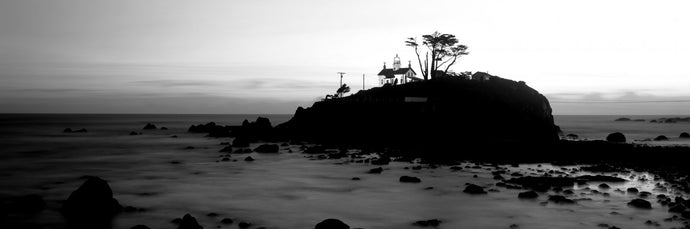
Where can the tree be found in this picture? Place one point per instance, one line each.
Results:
(444, 50)
(342, 90)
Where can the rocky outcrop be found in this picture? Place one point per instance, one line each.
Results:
(91, 205)
(331, 224)
(616, 137)
(435, 111)
(684, 135)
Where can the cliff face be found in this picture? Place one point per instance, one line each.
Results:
(446, 110)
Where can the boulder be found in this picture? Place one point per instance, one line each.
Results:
(164, 128)
(92, 204)
(133, 133)
(623, 119)
(684, 135)
(474, 189)
(604, 186)
(189, 222)
(267, 148)
(150, 126)
(616, 137)
(226, 221)
(633, 190)
(240, 142)
(331, 224)
(376, 170)
(409, 179)
(528, 195)
(427, 223)
(560, 199)
(661, 138)
(244, 225)
(248, 158)
(640, 203)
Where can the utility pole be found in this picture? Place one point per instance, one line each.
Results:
(341, 82)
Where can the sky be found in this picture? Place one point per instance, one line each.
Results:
(270, 56)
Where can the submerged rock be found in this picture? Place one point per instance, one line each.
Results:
(331, 224)
(427, 223)
(140, 227)
(474, 189)
(640, 203)
(267, 148)
(661, 138)
(150, 126)
(409, 179)
(91, 205)
(616, 137)
(248, 158)
(623, 119)
(561, 199)
(528, 195)
(376, 170)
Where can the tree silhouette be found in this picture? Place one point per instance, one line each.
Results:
(342, 90)
(444, 49)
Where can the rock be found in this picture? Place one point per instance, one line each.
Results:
(633, 190)
(244, 225)
(227, 149)
(604, 186)
(267, 148)
(409, 179)
(686, 214)
(600, 178)
(92, 204)
(640, 203)
(133, 133)
(69, 130)
(661, 138)
(378, 170)
(164, 128)
(616, 137)
(623, 119)
(140, 227)
(684, 135)
(528, 195)
(678, 208)
(331, 224)
(645, 194)
(189, 222)
(474, 189)
(356, 178)
(427, 223)
(248, 158)
(240, 142)
(572, 136)
(226, 221)
(150, 126)
(560, 199)
(381, 161)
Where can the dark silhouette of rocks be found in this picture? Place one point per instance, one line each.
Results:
(331, 224)
(189, 222)
(633, 190)
(69, 130)
(440, 106)
(616, 137)
(474, 189)
(92, 205)
(267, 148)
(686, 214)
(623, 119)
(640, 203)
(227, 149)
(528, 195)
(248, 158)
(381, 161)
(164, 128)
(240, 142)
(378, 170)
(133, 133)
(150, 126)
(409, 179)
(604, 186)
(244, 225)
(600, 178)
(572, 136)
(226, 221)
(427, 223)
(140, 227)
(661, 138)
(684, 135)
(560, 199)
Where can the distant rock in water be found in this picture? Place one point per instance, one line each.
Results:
(473, 111)
(267, 148)
(331, 224)
(427, 223)
(69, 130)
(140, 227)
(661, 138)
(684, 135)
(474, 189)
(528, 195)
(150, 126)
(640, 203)
(409, 179)
(616, 137)
(189, 222)
(133, 133)
(91, 205)
(623, 119)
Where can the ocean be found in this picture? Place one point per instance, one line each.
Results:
(164, 178)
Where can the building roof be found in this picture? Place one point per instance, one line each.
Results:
(389, 73)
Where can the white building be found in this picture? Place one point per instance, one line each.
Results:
(397, 75)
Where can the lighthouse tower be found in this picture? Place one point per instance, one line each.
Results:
(396, 62)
